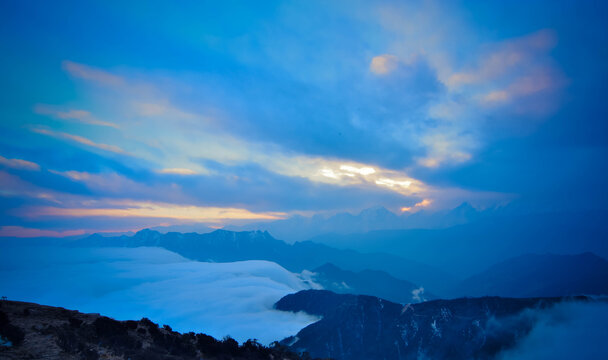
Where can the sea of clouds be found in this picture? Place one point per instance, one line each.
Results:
(218, 299)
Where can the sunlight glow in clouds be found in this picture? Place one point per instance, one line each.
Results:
(363, 175)
(178, 171)
(422, 204)
(221, 146)
(363, 171)
(392, 183)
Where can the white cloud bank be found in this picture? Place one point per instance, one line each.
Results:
(218, 299)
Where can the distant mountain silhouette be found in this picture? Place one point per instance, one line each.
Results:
(369, 282)
(540, 275)
(227, 246)
(467, 249)
(298, 228)
(365, 327)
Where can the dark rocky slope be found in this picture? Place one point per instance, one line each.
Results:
(365, 327)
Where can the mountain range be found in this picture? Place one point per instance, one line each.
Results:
(486, 241)
(369, 282)
(228, 246)
(384, 275)
(299, 228)
(534, 275)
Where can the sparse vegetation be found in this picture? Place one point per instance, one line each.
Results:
(10, 332)
(92, 337)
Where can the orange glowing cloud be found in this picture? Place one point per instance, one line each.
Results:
(383, 64)
(423, 203)
(158, 210)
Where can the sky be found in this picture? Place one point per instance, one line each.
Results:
(116, 117)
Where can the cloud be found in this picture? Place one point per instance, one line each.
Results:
(517, 72)
(19, 164)
(218, 299)
(178, 139)
(21, 232)
(446, 147)
(161, 108)
(485, 83)
(178, 171)
(79, 139)
(13, 186)
(523, 54)
(72, 114)
(92, 74)
(348, 173)
(422, 204)
(156, 210)
(383, 64)
(378, 101)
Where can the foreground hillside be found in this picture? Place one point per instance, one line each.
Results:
(365, 327)
(218, 299)
(32, 331)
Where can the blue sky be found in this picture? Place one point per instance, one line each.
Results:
(116, 117)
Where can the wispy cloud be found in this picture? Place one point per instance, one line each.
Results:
(19, 164)
(22, 232)
(523, 54)
(92, 74)
(82, 116)
(79, 139)
(136, 209)
(221, 145)
(178, 171)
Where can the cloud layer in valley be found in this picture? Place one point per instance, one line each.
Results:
(218, 299)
